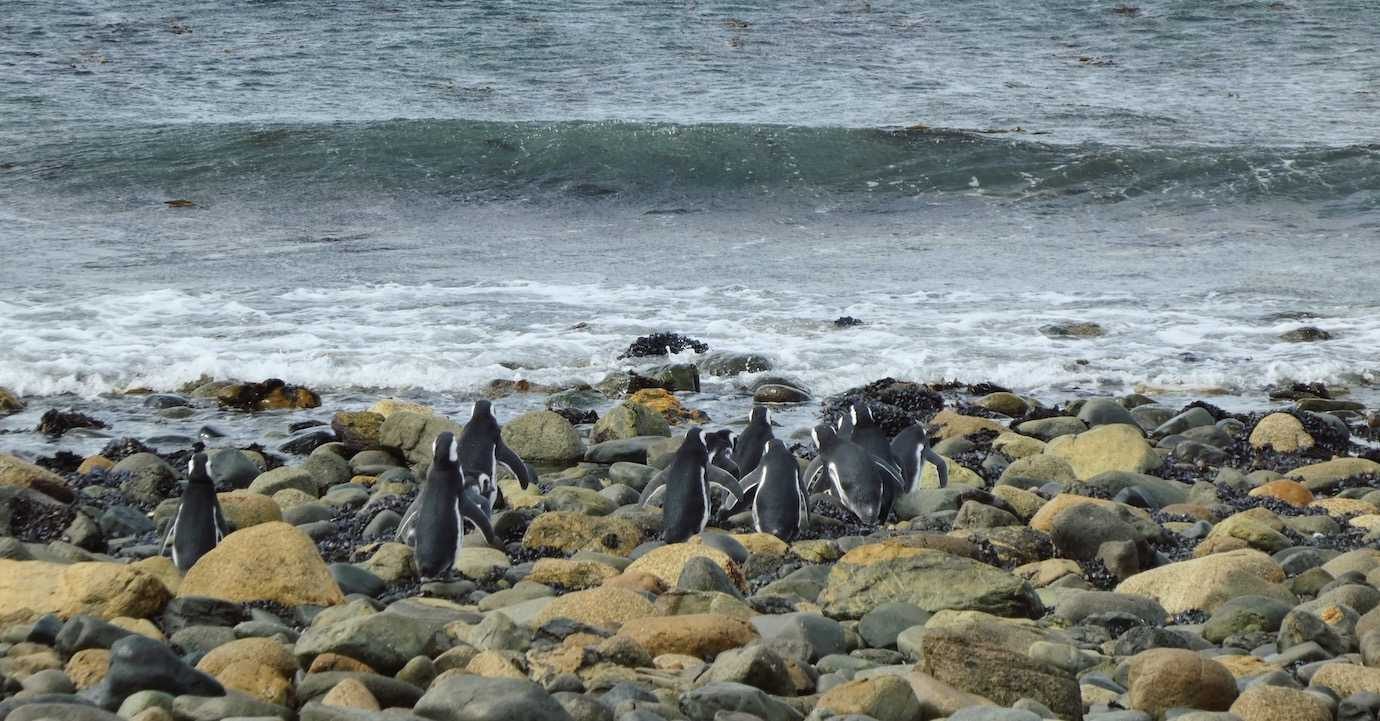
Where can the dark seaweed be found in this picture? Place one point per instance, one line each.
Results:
(658, 344)
(54, 422)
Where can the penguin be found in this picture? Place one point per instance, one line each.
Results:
(865, 432)
(720, 445)
(435, 524)
(911, 448)
(780, 505)
(199, 524)
(686, 510)
(720, 480)
(851, 474)
(482, 451)
(748, 446)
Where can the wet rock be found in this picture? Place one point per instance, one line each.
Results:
(10, 402)
(722, 363)
(629, 420)
(358, 430)
(779, 393)
(1305, 334)
(307, 441)
(660, 344)
(55, 423)
(1105, 448)
(148, 479)
(410, 434)
(272, 394)
(1072, 330)
(1047, 429)
(231, 468)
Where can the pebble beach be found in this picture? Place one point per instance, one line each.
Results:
(1106, 559)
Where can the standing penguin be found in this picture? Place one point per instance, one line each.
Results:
(720, 445)
(685, 510)
(748, 447)
(780, 506)
(851, 474)
(911, 448)
(435, 524)
(865, 432)
(482, 451)
(199, 524)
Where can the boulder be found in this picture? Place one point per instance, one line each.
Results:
(1208, 582)
(668, 562)
(1281, 432)
(235, 569)
(1277, 703)
(16, 472)
(246, 508)
(1321, 477)
(1116, 447)
(411, 434)
(629, 420)
(30, 589)
(1347, 679)
(1165, 678)
(872, 575)
(967, 662)
(543, 437)
(701, 635)
(573, 532)
(605, 607)
(885, 698)
(358, 430)
(475, 698)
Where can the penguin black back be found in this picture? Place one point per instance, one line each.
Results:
(779, 506)
(685, 509)
(866, 433)
(482, 451)
(747, 449)
(199, 524)
(720, 445)
(852, 475)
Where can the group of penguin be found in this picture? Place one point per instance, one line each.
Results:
(864, 470)
(856, 463)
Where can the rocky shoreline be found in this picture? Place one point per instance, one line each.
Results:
(1110, 559)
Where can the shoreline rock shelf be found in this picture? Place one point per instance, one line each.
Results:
(1113, 559)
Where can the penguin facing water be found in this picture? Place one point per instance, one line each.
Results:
(911, 448)
(199, 524)
(864, 431)
(780, 505)
(686, 508)
(748, 447)
(720, 445)
(482, 451)
(848, 471)
(435, 524)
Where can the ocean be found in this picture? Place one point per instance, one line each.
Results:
(415, 199)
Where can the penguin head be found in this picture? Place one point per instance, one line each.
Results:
(824, 435)
(693, 448)
(198, 470)
(861, 414)
(719, 442)
(482, 409)
(445, 450)
(759, 415)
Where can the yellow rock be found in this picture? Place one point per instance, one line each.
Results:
(1277, 703)
(1338, 469)
(883, 697)
(1370, 521)
(21, 473)
(603, 607)
(702, 635)
(1291, 492)
(1025, 503)
(492, 664)
(668, 561)
(1016, 446)
(1113, 447)
(1282, 432)
(669, 406)
(951, 424)
(162, 568)
(141, 626)
(351, 694)
(1342, 507)
(1245, 665)
(760, 544)
(94, 463)
(236, 569)
(289, 498)
(1043, 573)
(264, 651)
(574, 575)
(571, 532)
(822, 550)
(87, 668)
(29, 589)
(958, 475)
(1205, 583)
(389, 406)
(1347, 679)
(260, 682)
(244, 509)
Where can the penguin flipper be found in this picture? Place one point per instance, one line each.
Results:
(650, 490)
(725, 480)
(814, 473)
(751, 482)
(172, 534)
(659, 492)
(407, 529)
(515, 465)
(223, 528)
(940, 466)
(472, 513)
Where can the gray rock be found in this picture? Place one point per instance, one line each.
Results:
(626, 450)
(724, 363)
(583, 708)
(230, 468)
(353, 579)
(383, 526)
(1245, 614)
(144, 700)
(1076, 606)
(1191, 418)
(283, 478)
(702, 574)
(726, 543)
(1301, 626)
(755, 665)
(1078, 532)
(220, 708)
(82, 632)
(1047, 429)
(389, 692)
(632, 475)
(48, 681)
(1161, 491)
(543, 437)
(149, 478)
(497, 632)
(473, 698)
(121, 521)
(306, 513)
(823, 636)
(779, 393)
(1151, 416)
(386, 641)
(880, 626)
(327, 468)
(987, 713)
(62, 711)
(138, 663)
(629, 420)
(703, 704)
(1105, 411)
(187, 611)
